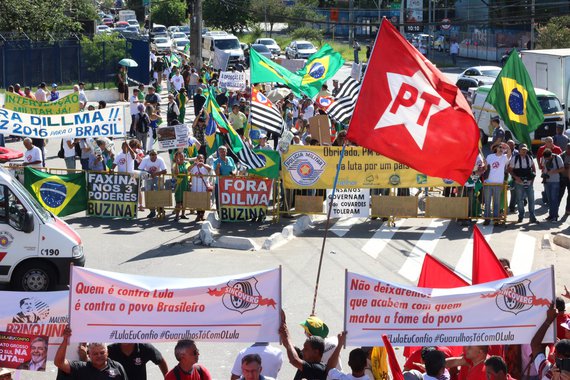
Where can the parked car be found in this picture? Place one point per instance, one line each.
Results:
(180, 44)
(172, 29)
(271, 45)
(103, 29)
(484, 74)
(158, 31)
(300, 49)
(161, 45)
(465, 84)
(108, 21)
(178, 36)
(262, 50)
(184, 29)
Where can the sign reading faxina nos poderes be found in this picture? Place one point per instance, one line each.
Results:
(107, 122)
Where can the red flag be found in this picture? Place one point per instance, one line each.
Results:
(410, 112)
(392, 360)
(437, 275)
(486, 266)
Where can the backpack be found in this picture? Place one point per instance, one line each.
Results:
(178, 376)
(143, 123)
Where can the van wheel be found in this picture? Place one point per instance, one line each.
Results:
(484, 138)
(34, 276)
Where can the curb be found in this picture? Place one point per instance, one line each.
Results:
(208, 237)
(562, 240)
(289, 232)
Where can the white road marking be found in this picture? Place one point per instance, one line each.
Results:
(465, 264)
(523, 254)
(381, 238)
(343, 225)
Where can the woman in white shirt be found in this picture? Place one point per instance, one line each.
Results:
(199, 183)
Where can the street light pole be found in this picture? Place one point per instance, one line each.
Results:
(196, 34)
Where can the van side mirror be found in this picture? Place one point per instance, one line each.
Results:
(28, 222)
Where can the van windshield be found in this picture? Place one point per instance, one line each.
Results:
(229, 44)
(549, 104)
(23, 193)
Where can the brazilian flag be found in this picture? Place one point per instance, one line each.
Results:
(60, 194)
(217, 119)
(320, 67)
(272, 164)
(264, 70)
(514, 98)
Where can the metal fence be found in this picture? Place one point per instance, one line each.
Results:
(70, 60)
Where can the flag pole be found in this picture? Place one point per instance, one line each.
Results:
(327, 226)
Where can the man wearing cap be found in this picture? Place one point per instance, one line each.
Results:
(263, 142)
(498, 132)
(54, 94)
(314, 326)
(41, 93)
(521, 168)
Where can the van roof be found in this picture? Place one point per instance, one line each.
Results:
(537, 91)
(557, 52)
(216, 33)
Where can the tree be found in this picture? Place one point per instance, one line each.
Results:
(270, 11)
(555, 34)
(168, 12)
(103, 53)
(41, 19)
(138, 7)
(302, 14)
(232, 15)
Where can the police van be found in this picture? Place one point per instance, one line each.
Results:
(36, 247)
(548, 102)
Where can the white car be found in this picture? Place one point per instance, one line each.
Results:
(172, 29)
(271, 45)
(176, 36)
(483, 74)
(300, 49)
(162, 45)
(103, 29)
(180, 44)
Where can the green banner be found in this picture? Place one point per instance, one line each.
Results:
(67, 104)
(60, 194)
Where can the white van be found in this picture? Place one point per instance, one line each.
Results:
(127, 14)
(228, 43)
(36, 247)
(549, 103)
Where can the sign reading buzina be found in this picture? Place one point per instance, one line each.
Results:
(349, 203)
(112, 195)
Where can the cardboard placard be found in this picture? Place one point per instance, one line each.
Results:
(320, 129)
(394, 206)
(308, 204)
(444, 207)
(198, 200)
(158, 198)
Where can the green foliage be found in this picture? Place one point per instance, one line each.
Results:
(40, 18)
(270, 11)
(168, 12)
(302, 13)
(137, 6)
(308, 34)
(226, 15)
(555, 34)
(103, 53)
(255, 32)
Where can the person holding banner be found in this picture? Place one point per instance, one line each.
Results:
(561, 368)
(98, 367)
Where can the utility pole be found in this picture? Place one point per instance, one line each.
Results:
(532, 25)
(196, 33)
(351, 27)
(265, 18)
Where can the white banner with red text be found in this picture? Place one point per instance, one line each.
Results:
(106, 122)
(36, 313)
(509, 311)
(118, 307)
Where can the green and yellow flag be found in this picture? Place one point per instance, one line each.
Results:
(218, 121)
(272, 161)
(264, 70)
(514, 98)
(320, 67)
(60, 194)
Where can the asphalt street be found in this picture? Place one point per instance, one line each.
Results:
(370, 247)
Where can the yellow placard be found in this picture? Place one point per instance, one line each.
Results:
(64, 105)
(314, 167)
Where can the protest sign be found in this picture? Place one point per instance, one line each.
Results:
(320, 129)
(174, 136)
(64, 105)
(244, 198)
(314, 167)
(107, 122)
(232, 80)
(112, 195)
(354, 203)
(118, 307)
(37, 313)
(23, 351)
(501, 312)
(221, 59)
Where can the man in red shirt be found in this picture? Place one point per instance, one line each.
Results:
(474, 368)
(188, 368)
(496, 368)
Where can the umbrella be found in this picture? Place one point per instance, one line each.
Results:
(128, 62)
(278, 94)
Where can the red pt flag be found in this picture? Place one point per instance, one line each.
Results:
(486, 266)
(392, 360)
(435, 274)
(409, 111)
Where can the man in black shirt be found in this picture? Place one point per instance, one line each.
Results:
(310, 367)
(99, 367)
(152, 98)
(134, 356)
(198, 101)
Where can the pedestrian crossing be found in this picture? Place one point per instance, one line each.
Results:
(403, 246)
